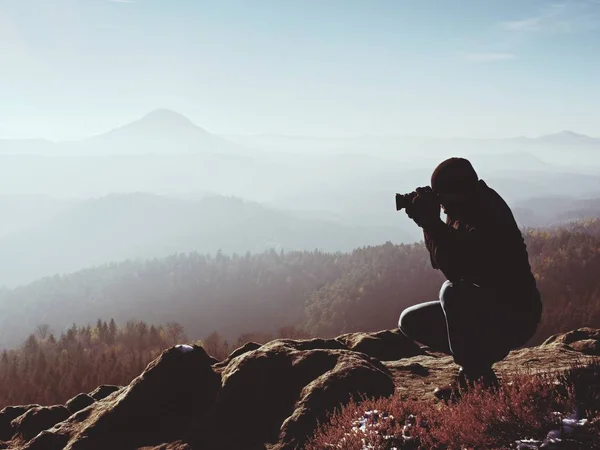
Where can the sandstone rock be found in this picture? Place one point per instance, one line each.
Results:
(579, 334)
(312, 344)
(47, 440)
(79, 402)
(247, 347)
(386, 345)
(37, 419)
(260, 388)
(155, 408)
(179, 445)
(587, 346)
(434, 370)
(7, 415)
(103, 391)
(352, 377)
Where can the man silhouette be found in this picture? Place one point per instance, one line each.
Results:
(489, 304)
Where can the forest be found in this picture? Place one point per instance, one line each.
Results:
(49, 370)
(321, 293)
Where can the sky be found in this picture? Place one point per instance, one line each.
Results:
(73, 68)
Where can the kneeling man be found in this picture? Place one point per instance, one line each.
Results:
(490, 303)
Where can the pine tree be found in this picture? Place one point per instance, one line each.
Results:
(112, 331)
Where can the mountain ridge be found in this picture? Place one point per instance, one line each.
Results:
(141, 225)
(161, 129)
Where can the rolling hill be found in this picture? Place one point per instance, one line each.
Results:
(129, 226)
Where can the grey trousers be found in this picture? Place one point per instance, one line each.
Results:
(473, 324)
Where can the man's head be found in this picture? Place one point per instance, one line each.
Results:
(455, 181)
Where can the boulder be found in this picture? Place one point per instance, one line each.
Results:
(301, 344)
(352, 378)
(103, 391)
(579, 334)
(312, 344)
(587, 346)
(386, 345)
(247, 347)
(31, 423)
(47, 440)
(79, 402)
(7, 415)
(260, 389)
(178, 445)
(157, 407)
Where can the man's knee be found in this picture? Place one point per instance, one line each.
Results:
(458, 296)
(448, 293)
(405, 322)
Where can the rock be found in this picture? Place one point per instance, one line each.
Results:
(47, 440)
(260, 388)
(579, 334)
(103, 391)
(31, 423)
(301, 344)
(7, 415)
(386, 345)
(155, 408)
(79, 402)
(271, 396)
(415, 368)
(441, 370)
(587, 346)
(312, 344)
(351, 378)
(179, 445)
(247, 347)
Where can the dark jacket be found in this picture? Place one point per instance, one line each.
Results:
(487, 249)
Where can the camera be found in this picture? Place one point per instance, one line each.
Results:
(403, 200)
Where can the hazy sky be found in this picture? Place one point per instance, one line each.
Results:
(70, 68)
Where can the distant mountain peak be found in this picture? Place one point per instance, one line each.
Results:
(162, 131)
(167, 118)
(165, 114)
(160, 122)
(566, 135)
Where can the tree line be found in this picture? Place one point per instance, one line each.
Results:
(50, 370)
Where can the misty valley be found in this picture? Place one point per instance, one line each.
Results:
(162, 185)
(242, 238)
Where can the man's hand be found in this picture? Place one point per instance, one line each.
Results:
(425, 207)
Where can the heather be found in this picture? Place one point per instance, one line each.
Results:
(525, 408)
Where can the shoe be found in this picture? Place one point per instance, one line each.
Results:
(486, 378)
(449, 393)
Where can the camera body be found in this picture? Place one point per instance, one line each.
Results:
(403, 200)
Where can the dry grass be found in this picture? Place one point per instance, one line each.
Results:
(525, 406)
